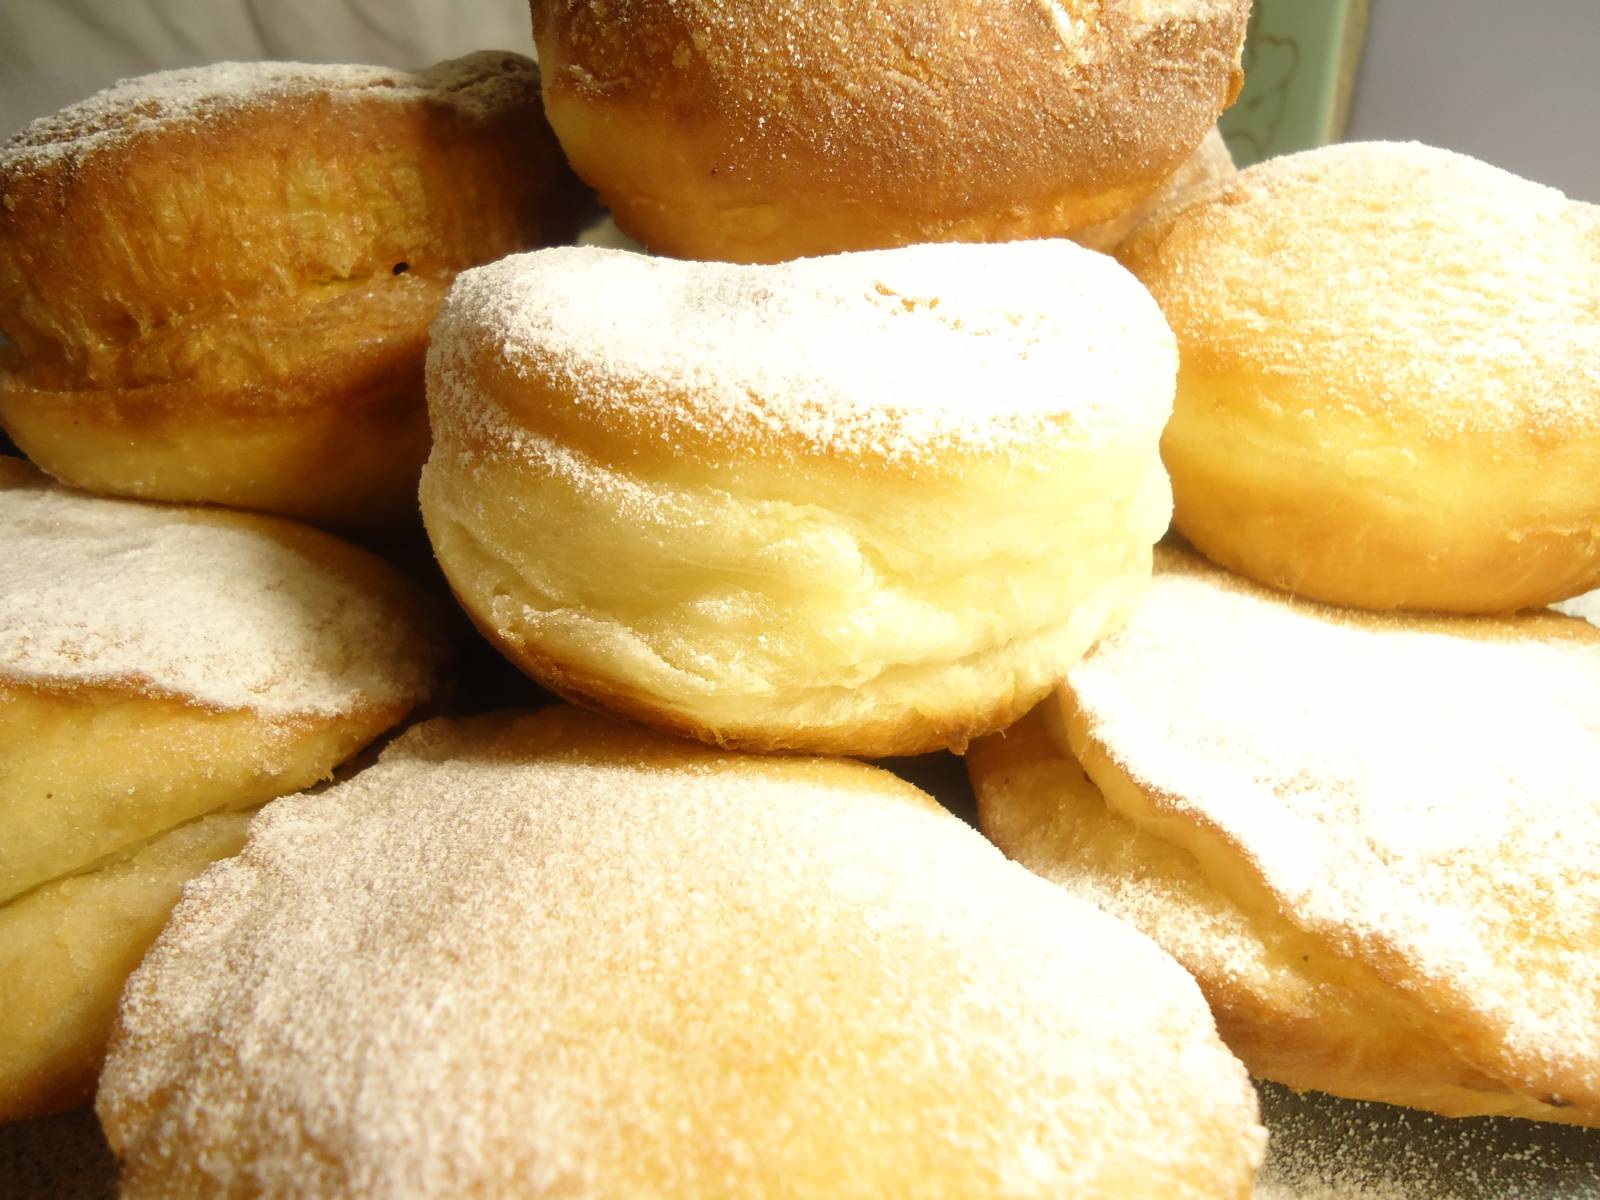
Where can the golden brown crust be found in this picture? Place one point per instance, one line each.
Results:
(779, 130)
(1389, 392)
(276, 249)
(1211, 161)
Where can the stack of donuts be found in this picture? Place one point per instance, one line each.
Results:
(940, 319)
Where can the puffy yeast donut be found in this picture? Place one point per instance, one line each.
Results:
(1390, 384)
(868, 504)
(760, 132)
(553, 955)
(158, 663)
(1372, 839)
(217, 282)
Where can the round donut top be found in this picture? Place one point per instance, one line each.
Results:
(886, 354)
(1399, 280)
(476, 87)
(1423, 787)
(555, 955)
(224, 610)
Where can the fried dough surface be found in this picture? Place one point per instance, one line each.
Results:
(1390, 385)
(1413, 794)
(159, 663)
(556, 955)
(217, 282)
(763, 132)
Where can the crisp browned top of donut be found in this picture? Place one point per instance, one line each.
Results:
(1422, 790)
(146, 232)
(986, 105)
(896, 355)
(1432, 292)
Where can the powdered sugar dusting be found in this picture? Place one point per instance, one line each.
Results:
(505, 960)
(1405, 282)
(173, 602)
(476, 86)
(1423, 791)
(887, 352)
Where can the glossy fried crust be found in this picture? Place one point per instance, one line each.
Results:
(1389, 390)
(759, 132)
(223, 292)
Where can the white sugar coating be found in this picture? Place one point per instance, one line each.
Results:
(1421, 797)
(1391, 278)
(476, 87)
(885, 352)
(493, 964)
(1586, 606)
(169, 601)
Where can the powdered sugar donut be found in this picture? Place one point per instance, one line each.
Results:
(870, 504)
(1373, 839)
(217, 282)
(554, 955)
(1390, 384)
(157, 664)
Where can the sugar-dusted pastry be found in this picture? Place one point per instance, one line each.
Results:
(217, 282)
(553, 955)
(159, 663)
(1374, 840)
(1390, 384)
(870, 504)
(757, 132)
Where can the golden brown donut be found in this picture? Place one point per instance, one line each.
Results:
(553, 955)
(1373, 839)
(1390, 385)
(761, 132)
(158, 663)
(871, 504)
(218, 281)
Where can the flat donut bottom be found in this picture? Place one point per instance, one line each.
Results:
(838, 610)
(1292, 1006)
